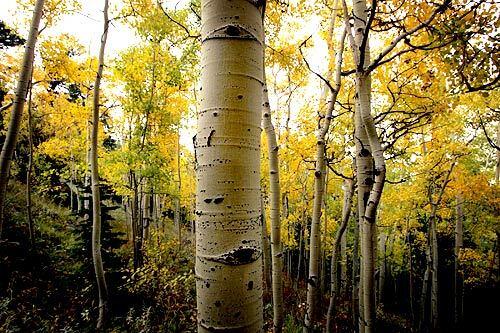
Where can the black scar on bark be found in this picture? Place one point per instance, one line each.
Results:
(240, 256)
(209, 139)
(232, 30)
(369, 181)
(366, 196)
(364, 152)
(257, 3)
(250, 285)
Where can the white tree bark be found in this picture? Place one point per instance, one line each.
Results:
(319, 187)
(18, 106)
(227, 145)
(94, 168)
(361, 50)
(177, 212)
(334, 283)
(274, 180)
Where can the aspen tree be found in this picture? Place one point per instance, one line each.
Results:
(334, 284)
(177, 212)
(227, 145)
(94, 168)
(433, 258)
(319, 187)
(274, 180)
(374, 180)
(266, 253)
(18, 106)
(383, 268)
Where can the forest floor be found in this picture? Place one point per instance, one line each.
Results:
(49, 286)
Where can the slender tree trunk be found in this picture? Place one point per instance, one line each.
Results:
(334, 284)
(96, 200)
(423, 326)
(383, 268)
(266, 249)
(319, 187)
(356, 274)
(135, 221)
(177, 213)
(434, 270)
(411, 278)
(434, 313)
(361, 50)
(364, 173)
(227, 144)
(325, 232)
(301, 252)
(343, 263)
(29, 213)
(457, 274)
(497, 169)
(18, 106)
(274, 180)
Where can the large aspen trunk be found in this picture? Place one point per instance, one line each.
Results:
(18, 106)
(227, 145)
(274, 180)
(334, 283)
(94, 168)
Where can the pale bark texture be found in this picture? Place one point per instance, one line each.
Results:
(94, 169)
(334, 283)
(274, 186)
(361, 50)
(18, 106)
(319, 187)
(227, 144)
